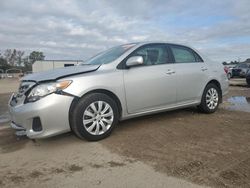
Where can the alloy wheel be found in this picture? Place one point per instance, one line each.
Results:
(98, 117)
(212, 98)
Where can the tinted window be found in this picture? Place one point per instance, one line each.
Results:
(197, 57)
(153, 54)
(183, 55)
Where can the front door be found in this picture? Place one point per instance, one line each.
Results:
(151, 85)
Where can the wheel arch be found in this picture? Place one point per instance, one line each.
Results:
(103, 91)
(110, 94)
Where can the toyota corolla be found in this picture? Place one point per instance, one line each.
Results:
(122, 82)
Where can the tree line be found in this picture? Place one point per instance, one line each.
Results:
(235, 62)
(13, 58)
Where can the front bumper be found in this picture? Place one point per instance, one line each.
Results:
(53, 111)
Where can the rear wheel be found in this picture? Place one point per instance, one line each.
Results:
(210, 99)
(94, 117)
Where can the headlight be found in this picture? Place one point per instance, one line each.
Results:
(43, 90)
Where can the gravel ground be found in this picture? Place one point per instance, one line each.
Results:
(208, 150)
(183, 148)
(8, 85)
(238, 82)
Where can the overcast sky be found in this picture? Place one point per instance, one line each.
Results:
(68, 29)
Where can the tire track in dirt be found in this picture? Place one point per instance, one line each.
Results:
(189, 145)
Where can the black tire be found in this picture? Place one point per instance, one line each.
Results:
(248, 82)
(203, 107)
(77, 125)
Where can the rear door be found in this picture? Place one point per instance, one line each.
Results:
(192, 73)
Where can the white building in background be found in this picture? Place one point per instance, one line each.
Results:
(44, 65)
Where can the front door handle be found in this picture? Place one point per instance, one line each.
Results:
(170, 72)
(203, 68)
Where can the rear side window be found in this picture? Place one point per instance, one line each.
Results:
(185, 55)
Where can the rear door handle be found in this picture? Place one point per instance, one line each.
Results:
(203, 68)
(170, 72)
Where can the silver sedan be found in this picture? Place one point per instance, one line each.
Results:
(122, 82)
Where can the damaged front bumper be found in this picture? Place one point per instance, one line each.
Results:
(46, 117)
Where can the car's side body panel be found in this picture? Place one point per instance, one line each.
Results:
(140, 90)
(133, 87)
(192, 77)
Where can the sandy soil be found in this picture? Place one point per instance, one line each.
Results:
(65, 161)
(183, 148)
(238, 82)
(211, 150)
(8, 85)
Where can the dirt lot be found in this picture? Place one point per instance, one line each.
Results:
(183, 148)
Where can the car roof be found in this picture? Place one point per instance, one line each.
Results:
(161, 42)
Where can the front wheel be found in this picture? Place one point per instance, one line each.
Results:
(94, 117)
(210, 99)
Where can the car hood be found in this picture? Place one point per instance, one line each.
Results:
(56, 74)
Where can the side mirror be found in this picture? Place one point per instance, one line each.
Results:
(134, 61)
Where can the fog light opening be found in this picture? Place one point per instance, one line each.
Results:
(36, 124)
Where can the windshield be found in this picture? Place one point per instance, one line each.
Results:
(108, 55)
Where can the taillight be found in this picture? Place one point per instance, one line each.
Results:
(226, 70)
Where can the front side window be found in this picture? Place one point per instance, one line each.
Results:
(153, 54)
(183, 54)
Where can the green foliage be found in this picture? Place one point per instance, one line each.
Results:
(36, 56)
(12, 58)
(19, 55)
(27, 64)
(3, 64)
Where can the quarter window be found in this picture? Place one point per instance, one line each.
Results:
(153, 54)
(197, 57)
(183, 55)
